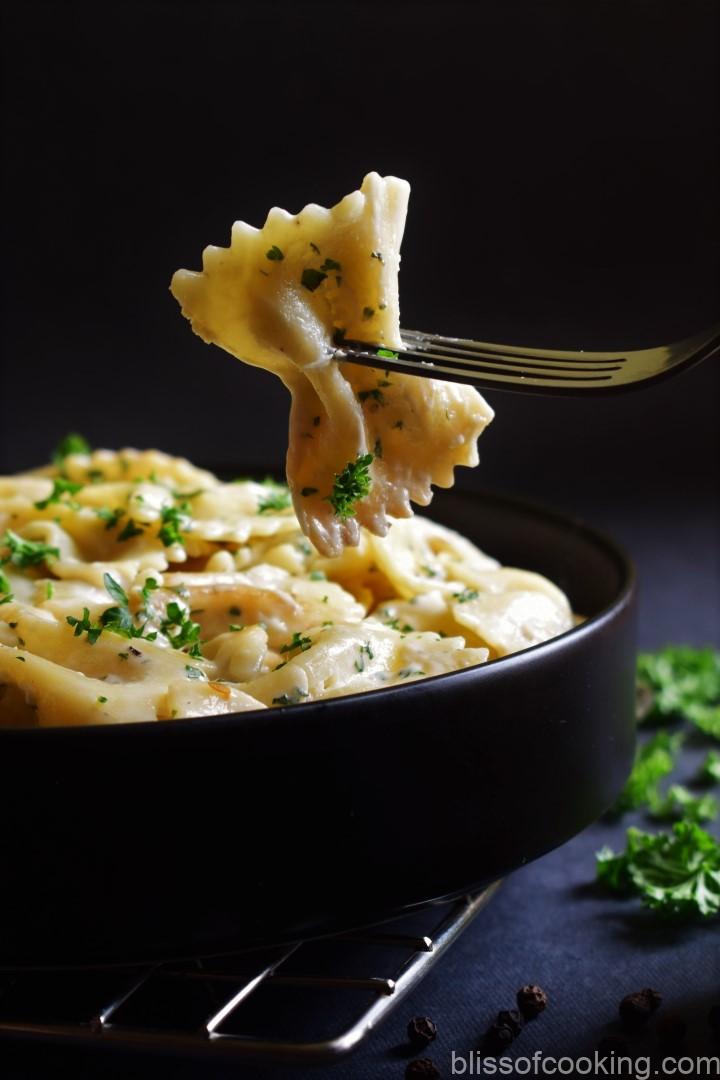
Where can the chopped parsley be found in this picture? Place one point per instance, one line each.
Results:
(235, 628)
(293, 698)
(377, 255)
(49, 590)
(377, 449)
(278, 499)
(71, 444)
(351, 484)
(375, 394)
(394, 624)
(61, 487)
(312, 278)
(387, 354)
(678, 802)
(5, 592)
(676, 873)
(330, 264)
(24, 553)
(274, 254)
(187, 632)
(131, 529)
(428, 570)
(405, 673)
(175, 521)
(466, 595)
(102, 700)
(399, 424)
(365, 650)
(368, 312)
(110, 517)
(297, 642)
(315, 248)
(308, 491)
(193, 672)
(84, 626)
(318, 575)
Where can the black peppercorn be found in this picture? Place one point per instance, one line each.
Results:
(531, 1001)
(497, 1038)
(636, 1009)
(421, 1031)
(511, 1018)
(614, 1044)
(421, 1069)
(671, 1031)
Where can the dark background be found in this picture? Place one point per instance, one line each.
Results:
(563, 159)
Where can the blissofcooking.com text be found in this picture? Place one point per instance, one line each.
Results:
(597, 1064)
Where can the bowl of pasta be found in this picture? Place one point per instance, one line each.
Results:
(219, 737)
(236, 712)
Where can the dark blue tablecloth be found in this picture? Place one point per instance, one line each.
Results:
(548, 923)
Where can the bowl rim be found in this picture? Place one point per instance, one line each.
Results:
(486, 670)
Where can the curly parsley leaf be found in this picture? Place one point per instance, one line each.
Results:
(24, 553)
(680, 681)
(83, 625)
(710, 768)
(110, 517)
(654, 759)
(180, 630)
(351, 485)
(131, 529)
(676, 873)
(678, 802)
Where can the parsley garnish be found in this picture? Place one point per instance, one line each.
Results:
(312, 278)
(5, 588)
(318, 575)
(187, 632)
(394, 624)
(388, 354)
(110, 517)
(71, 444)
(293, 698)
(315, 248)
(279, 499)
(377, 449)
(61, 487)
(678, 802)
(466, 595)
(681, 681)
(351, 484)
(368, 312)
(174, 521)
(102, 700)
(654, 760)
(193, 672)
(297, 642)
(377, 255)
(330, 264)
(26, 552)
(308, 491)
(130, 530)
(376, 395)
(405, 673)
(677, 873)
(83, 625)
(274, 254)
(365, 650)
(710, 768)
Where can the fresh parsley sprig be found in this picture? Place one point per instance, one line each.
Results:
(24, 553)
(61, 487)
(677, 873)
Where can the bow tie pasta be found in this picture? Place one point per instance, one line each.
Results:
(363, 443)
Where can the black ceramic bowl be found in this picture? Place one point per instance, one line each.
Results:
(157, 840)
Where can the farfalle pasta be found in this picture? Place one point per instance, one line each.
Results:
(134, 586)
(283, 298)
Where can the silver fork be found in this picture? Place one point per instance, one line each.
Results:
(533, 371)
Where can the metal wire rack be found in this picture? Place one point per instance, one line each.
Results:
(258, 1004)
